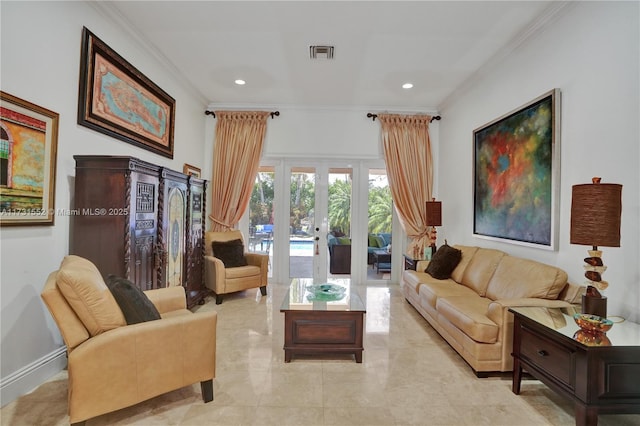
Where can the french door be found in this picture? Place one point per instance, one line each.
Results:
(320, 210)
(313, 218)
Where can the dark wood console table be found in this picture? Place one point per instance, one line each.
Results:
(600, 377)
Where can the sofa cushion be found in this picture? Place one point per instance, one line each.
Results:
(82, 286)
(467, 254)
(372, 241)
(134, 304)
(469, 314)
(431, 290)
(516, 278)
(480, 269)
(230, 252)
(444, 261)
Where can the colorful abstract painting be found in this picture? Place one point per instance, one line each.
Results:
(515, 159)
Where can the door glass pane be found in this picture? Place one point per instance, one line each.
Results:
(339, 214)
(380, 209)
(301, 222)
(262, 213)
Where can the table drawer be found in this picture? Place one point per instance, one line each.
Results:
(324, 332)
(549, 356)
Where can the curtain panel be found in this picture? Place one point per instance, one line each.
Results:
(236, 157)
(407, 155)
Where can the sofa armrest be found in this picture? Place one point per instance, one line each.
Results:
(168, 299)
(572, 293)
(421, 265)
(498, 310)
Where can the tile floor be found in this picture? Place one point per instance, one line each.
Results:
(409, 376)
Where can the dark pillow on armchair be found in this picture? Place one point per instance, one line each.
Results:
(230, 252)
(134, 304)
(443, 263)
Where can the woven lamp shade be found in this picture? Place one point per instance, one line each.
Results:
(434, 213)
(595, 214)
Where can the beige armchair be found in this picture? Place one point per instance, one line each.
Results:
(222, 280)
(112, 365)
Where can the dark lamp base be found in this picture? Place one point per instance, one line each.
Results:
(594, 306)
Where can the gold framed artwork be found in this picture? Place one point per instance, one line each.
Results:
(27, 162)
(118, 100)
(190, 170)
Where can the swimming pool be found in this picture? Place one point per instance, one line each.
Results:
(301, 245)
(296, 247)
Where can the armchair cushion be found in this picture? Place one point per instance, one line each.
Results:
(135, 305)
(84, 289)
(230, 252)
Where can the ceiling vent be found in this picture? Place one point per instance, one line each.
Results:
(316, 52)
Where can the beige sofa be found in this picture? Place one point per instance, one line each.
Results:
(471, 309)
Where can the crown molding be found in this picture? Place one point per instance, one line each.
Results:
(108, 10)
(321, 108)
(535, 28)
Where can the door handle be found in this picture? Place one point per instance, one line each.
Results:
(542, 352)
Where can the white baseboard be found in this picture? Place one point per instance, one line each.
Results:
(31, 376)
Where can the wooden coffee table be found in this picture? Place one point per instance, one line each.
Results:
(316, 326)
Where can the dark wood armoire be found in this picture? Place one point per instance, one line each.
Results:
(140, 221)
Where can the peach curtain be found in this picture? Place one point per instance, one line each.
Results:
(407, 155)
(236, 157)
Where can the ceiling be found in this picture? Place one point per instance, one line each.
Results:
(379, 45)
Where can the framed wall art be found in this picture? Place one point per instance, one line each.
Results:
(118, 100)
(516, 175)
(190, 170)
(28, 144)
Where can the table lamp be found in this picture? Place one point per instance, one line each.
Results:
(595, 221)
(434, 218)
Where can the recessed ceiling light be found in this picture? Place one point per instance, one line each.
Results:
(240, 82)
(407, 85)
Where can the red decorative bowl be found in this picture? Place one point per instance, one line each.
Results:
(592, 323)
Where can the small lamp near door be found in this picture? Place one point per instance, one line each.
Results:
(596, 211)
(434, 218)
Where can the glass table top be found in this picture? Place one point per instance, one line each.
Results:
(335, 295)
(623, 333)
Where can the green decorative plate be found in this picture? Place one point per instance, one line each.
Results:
(325, 292)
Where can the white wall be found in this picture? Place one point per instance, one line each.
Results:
(591, 53)
(40, 63)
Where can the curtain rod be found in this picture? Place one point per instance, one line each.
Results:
(273, 113)
(373, 117)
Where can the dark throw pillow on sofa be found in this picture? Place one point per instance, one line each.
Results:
(443, 263)
(230, 252)
(134, 304)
